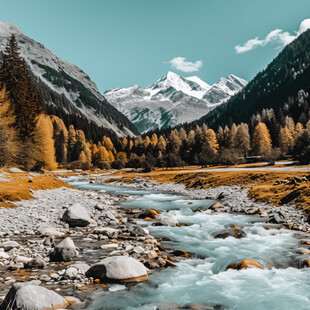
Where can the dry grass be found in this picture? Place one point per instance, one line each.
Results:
(21, 185)
(277, 187)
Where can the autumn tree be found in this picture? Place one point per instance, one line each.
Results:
(286, 140)
(243, 140)
(44, 143)
(154, 139)
(8, 138)
(261, 141)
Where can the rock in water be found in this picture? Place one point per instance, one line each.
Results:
(64, 251)
(23, 296)
(77, 215)
(247, 263)
(167, 221)
(118, 268)
(235, 232)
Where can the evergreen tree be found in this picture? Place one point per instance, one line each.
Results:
(21, 92)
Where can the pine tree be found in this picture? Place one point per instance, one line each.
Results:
(232, 136)
(71, 144)
(61, 137)
(21, 92)
(220, 136)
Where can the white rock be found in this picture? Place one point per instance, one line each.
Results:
(22, 259)
(117, 268)
(27, 296)
(8, 245)
(71, 273)
(81, 267)
(138, 250)
(77, 215)
(4, 255)
(107, 231)
(49, 231)
(66, 244)
(168, 221)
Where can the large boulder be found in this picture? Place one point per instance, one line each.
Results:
(64, 251)
(77, 215)
(118, 268)
(23, 296)
(247, 263)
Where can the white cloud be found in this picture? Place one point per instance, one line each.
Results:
(181, 64)
(277, 37)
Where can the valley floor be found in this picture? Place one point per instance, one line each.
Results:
(283, 183)
(254, 189)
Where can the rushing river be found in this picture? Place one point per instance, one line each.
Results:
(203, 279)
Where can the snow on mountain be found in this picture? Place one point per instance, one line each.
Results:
(200, 82)
(65, 86)
(224, 89)
(172, 100)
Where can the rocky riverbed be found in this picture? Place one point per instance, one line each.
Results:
(54, 239)
(232, 199)
(79, 242)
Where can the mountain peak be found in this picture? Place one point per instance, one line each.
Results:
(6, 29)
(200, 82)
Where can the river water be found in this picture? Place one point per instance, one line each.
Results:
(203, 279)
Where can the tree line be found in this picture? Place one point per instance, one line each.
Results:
(32, 139)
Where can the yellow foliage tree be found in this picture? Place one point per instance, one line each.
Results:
(212, 141)
(154, 139)
(286, 140)
(8, 136)
(44, 143)
(261, 141)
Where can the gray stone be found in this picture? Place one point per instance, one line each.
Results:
(77, 215)
(24, 296)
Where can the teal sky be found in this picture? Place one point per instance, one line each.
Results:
(120, 43)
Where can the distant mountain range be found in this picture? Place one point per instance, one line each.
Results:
(172, 100)
(67, 91)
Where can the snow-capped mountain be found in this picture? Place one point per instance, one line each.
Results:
(65, 88)
(172, 100)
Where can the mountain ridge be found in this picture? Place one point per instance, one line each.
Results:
(172, 100)
(66, 90)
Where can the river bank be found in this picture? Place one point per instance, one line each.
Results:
(31, 230)
(234, 199)
(132, 233)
